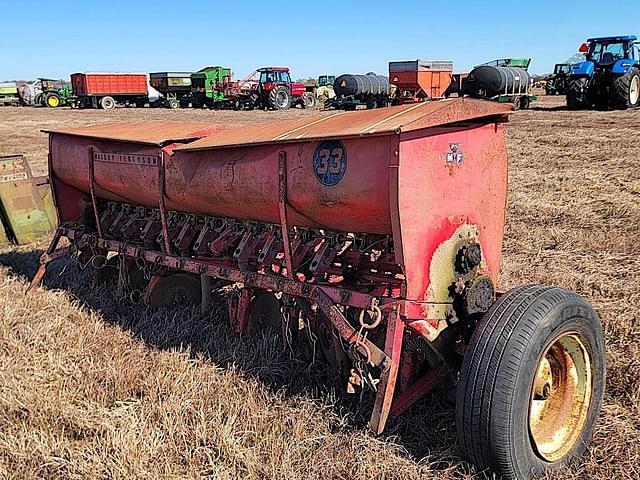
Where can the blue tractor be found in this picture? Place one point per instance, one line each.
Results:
(610, 75)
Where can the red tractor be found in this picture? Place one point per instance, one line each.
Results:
(268, 87)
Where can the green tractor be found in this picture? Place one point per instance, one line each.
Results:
(53, 93)
(557, 83)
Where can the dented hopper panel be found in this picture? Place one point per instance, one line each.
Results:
(148, 133)
(404, 118)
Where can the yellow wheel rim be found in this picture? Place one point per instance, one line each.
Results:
(560, 397)
(53, 101)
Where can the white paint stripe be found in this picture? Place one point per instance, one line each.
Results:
(286, 134)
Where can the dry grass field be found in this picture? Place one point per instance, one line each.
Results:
(94, 388)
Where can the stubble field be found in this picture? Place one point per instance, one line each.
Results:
(94, 388)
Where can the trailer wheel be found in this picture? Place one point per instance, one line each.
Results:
(372, 103)
(173, 103)
(524, 102)
(532, 383)
(516, 103)
(52, 100)
(625, 92)
(279, 98)
(177, 289)
(107, 103)
(383, 103)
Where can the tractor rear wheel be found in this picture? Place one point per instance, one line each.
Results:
(107, 103)
(52, 100)
(577, 93)
(625, 92)
(279, 98)
(532, 383)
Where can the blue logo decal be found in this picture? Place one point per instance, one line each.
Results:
(330, 162)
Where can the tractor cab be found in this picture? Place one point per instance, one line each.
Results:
(324, 80)
(607, 51)
(270, 77)
(609, 76)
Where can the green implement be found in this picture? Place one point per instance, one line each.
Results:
(203, 85)
(26, 203)
(9, 94)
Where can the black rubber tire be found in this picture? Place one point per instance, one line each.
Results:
(525, 103)
(516, 103)
(577, 93)
(280, 98)
(107, 103)
(173, 103)
(177, 289)
(372, 103)
(308, 100)
(383, 103)
(52, 100)
(621, 89)
(495, 387)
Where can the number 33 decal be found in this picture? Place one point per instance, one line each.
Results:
(330, 162)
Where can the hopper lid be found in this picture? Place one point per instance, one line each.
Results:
(149, 133)
(403, 118)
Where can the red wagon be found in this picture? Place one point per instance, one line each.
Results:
(106, 90)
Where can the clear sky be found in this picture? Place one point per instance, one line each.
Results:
(56, 38)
